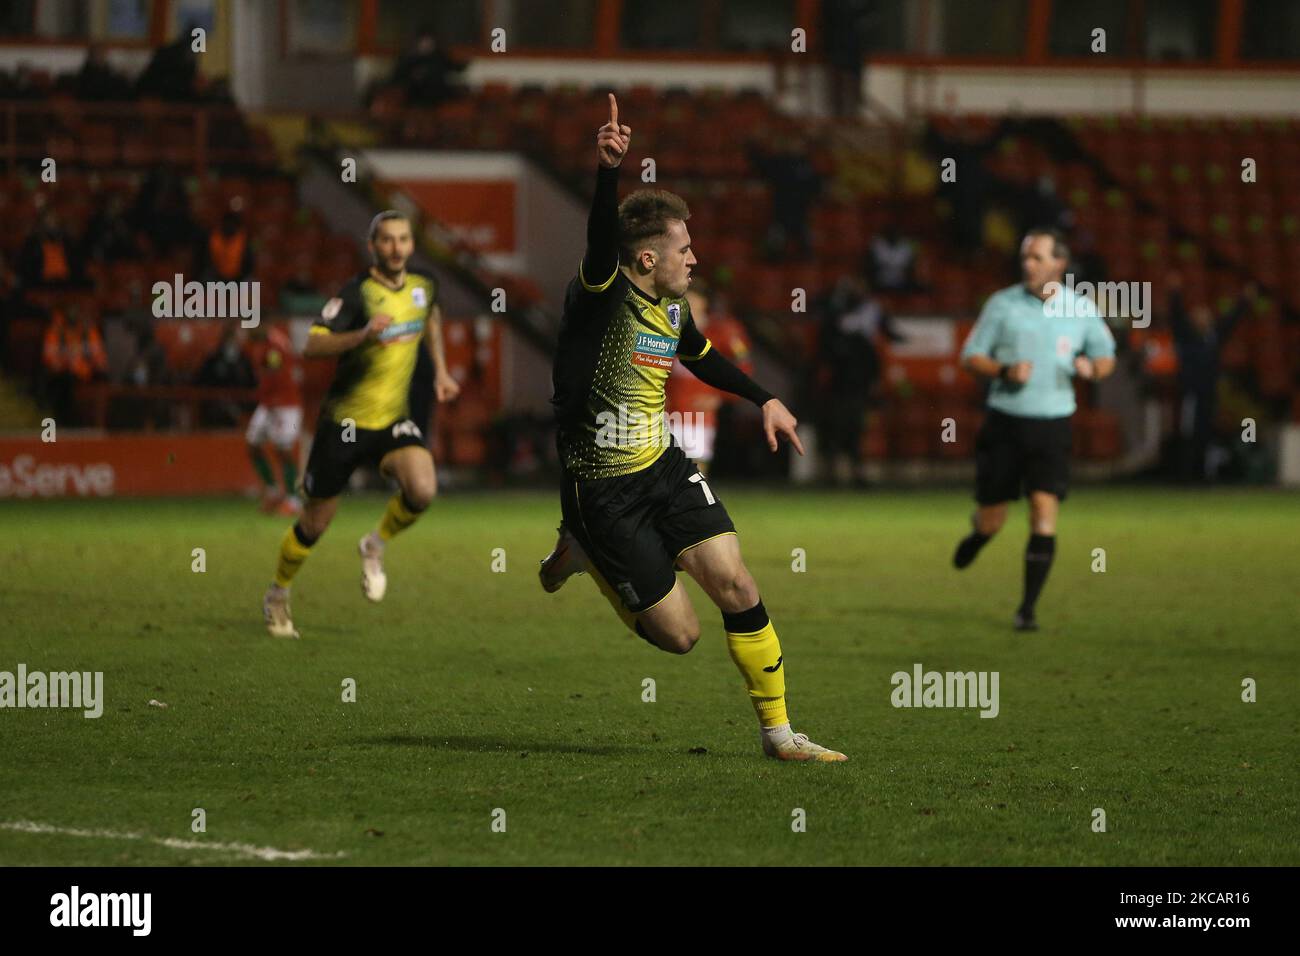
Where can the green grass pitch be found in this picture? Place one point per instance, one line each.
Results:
(477, 691)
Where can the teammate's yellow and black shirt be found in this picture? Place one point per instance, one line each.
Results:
(615, 353)
(373, 380)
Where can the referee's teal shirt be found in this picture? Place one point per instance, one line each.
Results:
(1017, 326)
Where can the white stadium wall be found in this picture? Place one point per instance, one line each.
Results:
(906, 90)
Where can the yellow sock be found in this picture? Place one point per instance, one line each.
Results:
(292, 554)
(758, 655)
(612, 597)
(397, 517)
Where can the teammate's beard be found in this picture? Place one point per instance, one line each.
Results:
(389, 274)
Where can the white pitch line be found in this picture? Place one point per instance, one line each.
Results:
(242, 849)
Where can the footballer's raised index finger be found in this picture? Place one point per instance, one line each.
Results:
(613, 112)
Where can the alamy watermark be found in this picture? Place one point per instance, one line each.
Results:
(627, 428)
(922, 688)
(1112, 300)
(179, 299)
(129, 910)
(80, 690)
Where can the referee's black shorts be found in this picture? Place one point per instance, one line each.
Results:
(1015, 454)
(635, 527)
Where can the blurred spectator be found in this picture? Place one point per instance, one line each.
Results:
(172, 73)
(97, 80)
(56, 368)
(845, 26)
(892, 259)
(148, 366)
(852, 318)
(162, 211)
(1042, 208)
(228, 253)
(6, 309)
(425, 72)
(72, 352)
(278, 416)
(1088, 264)
(971, 189)
(21, 85)
(299, 294)
(1199, 340)
(227, 367)
(46, 258)
(109, 237)
(794, 181)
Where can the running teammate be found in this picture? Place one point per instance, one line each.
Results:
(375, 326)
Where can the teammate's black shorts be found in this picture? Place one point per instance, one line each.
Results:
(333, 460)
(634, 527)
(1014, 453)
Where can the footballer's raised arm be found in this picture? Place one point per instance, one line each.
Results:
(600, 261)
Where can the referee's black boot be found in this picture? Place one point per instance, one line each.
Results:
(1025, 620)
(969, 547)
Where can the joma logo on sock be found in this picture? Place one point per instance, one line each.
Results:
(76, 689)
(951, 689)
(103, 909)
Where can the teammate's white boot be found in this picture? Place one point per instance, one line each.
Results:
(373, 580)
(566, 560)
(798, 747)
(275, 611)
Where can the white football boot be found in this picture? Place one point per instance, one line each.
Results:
(373, 580)
(799, 747)
(566, 560)
(275, 611)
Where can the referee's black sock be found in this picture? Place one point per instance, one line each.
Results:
(1038, 561)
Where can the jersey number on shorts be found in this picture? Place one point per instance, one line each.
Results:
(708, 495)
(406, 428)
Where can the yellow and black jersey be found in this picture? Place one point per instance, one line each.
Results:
(615, 352)
(373, 380)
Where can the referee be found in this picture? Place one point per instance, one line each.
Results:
(1031, 340)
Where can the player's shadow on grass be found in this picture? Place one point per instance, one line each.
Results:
(243, 625)
(496, 745)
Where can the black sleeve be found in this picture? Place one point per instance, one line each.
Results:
(1228, 323)
(600, 261)
(1178, 316)
(712, 368)
(29, 261)
(345, 312)
(247, 378)
(891, 331)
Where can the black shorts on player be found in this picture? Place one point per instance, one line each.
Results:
(1015, 454)
(634, 527)
(333, 460)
